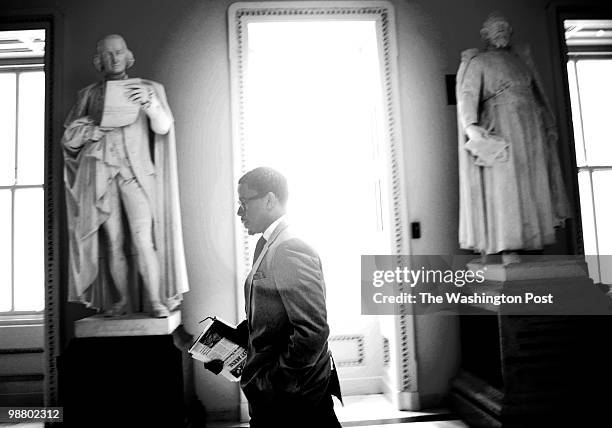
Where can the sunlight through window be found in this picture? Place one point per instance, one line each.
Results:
(314, 110)
(590, 90)
(22, 144)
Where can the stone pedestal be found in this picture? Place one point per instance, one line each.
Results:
(125, 371)
(529, 366)
(127, 325)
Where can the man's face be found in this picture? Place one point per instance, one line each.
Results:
(498, 33)
(113, 55)
(252, 210)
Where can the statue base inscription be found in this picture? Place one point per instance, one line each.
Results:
(127, 325)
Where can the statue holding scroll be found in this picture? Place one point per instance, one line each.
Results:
(122, 191)
(512, 195)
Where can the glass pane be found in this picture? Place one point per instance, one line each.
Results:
(29, 250)
(7, 128)
(313, 110)
(595, 85)
(602, 183)
(30, 156)
(5, 250)
(588, 223)
(577, 121)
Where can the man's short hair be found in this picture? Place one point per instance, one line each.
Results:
(264, 179)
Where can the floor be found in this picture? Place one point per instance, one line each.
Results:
(374, 411)
(364, 411)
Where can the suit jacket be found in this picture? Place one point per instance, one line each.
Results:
(288, 358)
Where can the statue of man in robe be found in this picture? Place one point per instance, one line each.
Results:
(122, 195)
(512, 195)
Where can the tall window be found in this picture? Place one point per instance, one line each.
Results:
(315, 102)
(313, 110)
(22, 111)
(589, 71)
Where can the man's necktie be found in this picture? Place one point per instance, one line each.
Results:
(258, 248)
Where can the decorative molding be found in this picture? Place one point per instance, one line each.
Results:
(356, 343)
(13, 351)
(310, 11)
(386, 352)
(53, 189)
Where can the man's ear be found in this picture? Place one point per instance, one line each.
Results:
(129, 59)
(97, 63)
(271, 200)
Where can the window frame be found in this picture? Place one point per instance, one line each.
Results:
(557, 14)
(18, 66)
(54, 227)
(573, 57)
(239, 15)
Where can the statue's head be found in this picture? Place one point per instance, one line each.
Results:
(496, 31)
(112, 57)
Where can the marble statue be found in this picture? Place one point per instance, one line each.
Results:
(512, 195)
(122, 192)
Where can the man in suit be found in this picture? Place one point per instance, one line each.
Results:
(289, 376)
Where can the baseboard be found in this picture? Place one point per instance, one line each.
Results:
(361, 385)
(402, 400)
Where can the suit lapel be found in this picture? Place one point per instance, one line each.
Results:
(249, 282)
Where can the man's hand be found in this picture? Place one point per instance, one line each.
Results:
(476, 132)
(139, 94)
(214, 366)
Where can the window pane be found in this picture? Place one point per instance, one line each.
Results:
(30, 159)
(595, 87)
(7, 129)
(5, 250)
(586, 207)
(313, 110)
(577, 121)
(588, 223)
(602, 183)
(29, 250)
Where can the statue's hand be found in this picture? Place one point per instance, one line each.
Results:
(140, 94)
(476, 132)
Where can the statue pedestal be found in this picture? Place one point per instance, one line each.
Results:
(536, 267)
(532, 366)
(128, 325)
(125, 371)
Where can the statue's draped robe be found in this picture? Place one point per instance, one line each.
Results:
(89, 168)
(515, 204)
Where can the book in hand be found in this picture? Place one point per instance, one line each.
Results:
(218, 342)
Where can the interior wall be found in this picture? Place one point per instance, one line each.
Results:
(183, 44)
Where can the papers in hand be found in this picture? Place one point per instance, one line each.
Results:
(488, 150)
(118, 109)
(214, 344)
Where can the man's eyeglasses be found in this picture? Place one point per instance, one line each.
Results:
(242, 203)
